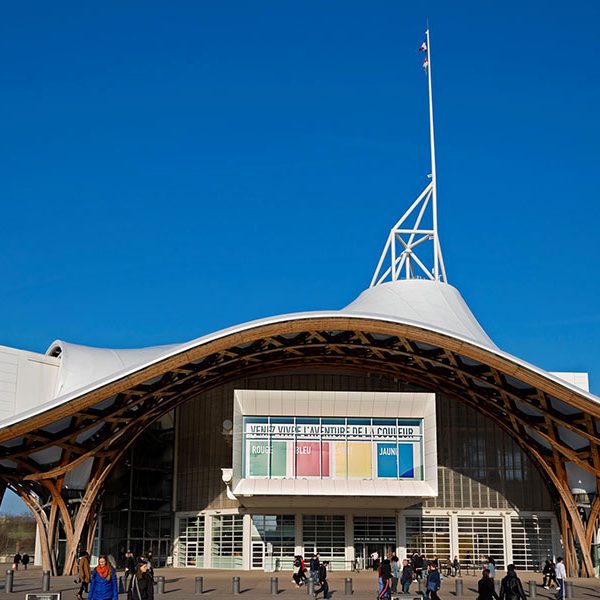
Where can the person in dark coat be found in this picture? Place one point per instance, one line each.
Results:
(147, 557)
(103, 585)
(25, 560)
(419, 565)
(485, 587)
(456, 567)
(406, 577)
(384, 576)
(434, 581)
(314, 565)
(130, 569)
(299, 577)
(511, 587)
(142, 584)
(16, 561)
(549, 573)
(323, 585)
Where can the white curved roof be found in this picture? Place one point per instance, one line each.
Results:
(81, 365)
(431, 303)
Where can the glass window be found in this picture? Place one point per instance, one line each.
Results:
(428, 535)
(325, 534)
(482, 536)
(227, 541)
(375, 529)
(280, 532)
(531, 542)
(191, 542)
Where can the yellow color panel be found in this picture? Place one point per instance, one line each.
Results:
(340, 460)
(360, 460)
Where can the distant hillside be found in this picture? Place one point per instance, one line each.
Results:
(17, 532)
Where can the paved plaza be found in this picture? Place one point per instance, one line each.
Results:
(180, 584)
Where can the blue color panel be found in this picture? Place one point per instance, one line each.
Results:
(407, 466)
(387, 460)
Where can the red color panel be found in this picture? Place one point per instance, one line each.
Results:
(307, 459)
(325, 459)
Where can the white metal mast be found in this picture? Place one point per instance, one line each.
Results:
(404, 238)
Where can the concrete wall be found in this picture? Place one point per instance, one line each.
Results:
(27, 379)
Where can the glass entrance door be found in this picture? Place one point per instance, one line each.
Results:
(258, 555)
(365, 554)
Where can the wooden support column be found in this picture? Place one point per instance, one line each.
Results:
(43, 523)
(571, 524)
(592, 524)
(88, 507)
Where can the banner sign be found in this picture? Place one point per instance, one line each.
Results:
(280, 430)
(334, 448)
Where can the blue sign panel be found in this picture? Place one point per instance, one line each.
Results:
(407, 465)
(387, 460)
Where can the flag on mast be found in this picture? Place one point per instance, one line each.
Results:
(423, 47)
(425, 65)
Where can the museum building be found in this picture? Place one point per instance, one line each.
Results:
(393, 424)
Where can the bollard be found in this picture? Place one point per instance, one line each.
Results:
(235, 582)
(459, 587)
(497, 585)
(310, 586)
(348, 586)
(532, 589)
(199, 589)
(274, 586)
(568, 589)
(160, 585)
(46, 581)
(8, 586)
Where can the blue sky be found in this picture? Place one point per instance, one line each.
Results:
(169, 169)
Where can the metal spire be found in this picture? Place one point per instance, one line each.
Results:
(404, 238)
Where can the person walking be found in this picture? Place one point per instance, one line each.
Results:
(299, 577)
(142, 583)
(419, 564)
(130, 569)
(314, 567)
(485, 587)
(561, 577)
(384, 574)
(491, 566)
(456, 567)
(395, 564)
(103, 583)
(16, 561)
(148, 557)
(322, 578)
(549, 573)
(25, 560)
(84, 572)
(434, 581)
(407, 576)
(511, 587)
